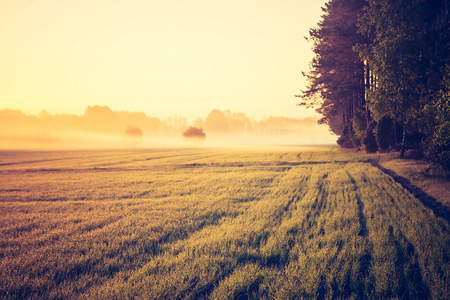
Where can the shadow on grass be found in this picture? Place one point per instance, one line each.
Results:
(408, 271)
(438, 209)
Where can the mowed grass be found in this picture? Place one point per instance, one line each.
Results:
(202, 223)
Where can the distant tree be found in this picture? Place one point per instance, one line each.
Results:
(133, 136)
(140, 119)
(101, 118)
(238, 122)
(133, 131)
(194, 132)
(199, 122)
(217, 121)
(174, 124)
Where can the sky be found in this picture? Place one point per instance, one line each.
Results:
(162, 57)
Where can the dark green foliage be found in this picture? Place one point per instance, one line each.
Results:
(414, 140)
(345, 142)
(440, 145)
(408, 54)
(347, 139)
(443, 158)
(369, 141)
(385, 134)
(399, 77)
(359, 124)
(397, 58)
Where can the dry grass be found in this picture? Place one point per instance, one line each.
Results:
(214, 224)
(422, 174)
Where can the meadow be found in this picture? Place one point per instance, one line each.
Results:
(215, 224)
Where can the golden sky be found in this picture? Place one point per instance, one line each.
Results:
(162, 57)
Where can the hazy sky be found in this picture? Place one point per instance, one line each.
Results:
(163, 57)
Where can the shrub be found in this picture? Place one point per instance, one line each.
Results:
(194, 132)
(132, 137)
(359, 124)
(369, 142)
(133, 131)
(347, 139)
(385, 134)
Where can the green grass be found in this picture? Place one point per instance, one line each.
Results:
(214, 224)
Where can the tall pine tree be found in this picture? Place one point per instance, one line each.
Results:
(336, 77)
(388, 60)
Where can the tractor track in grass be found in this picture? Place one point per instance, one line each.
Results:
(438, 209)
(204, 224)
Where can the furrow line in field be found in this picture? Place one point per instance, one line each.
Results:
(320, 225)
(104, 155)
(365, 260)
(168, 165)
(401, 231)
(238, 243)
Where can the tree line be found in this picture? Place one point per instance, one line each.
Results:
(380, 75)
(101, 119)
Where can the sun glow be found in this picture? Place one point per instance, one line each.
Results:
(160, 57)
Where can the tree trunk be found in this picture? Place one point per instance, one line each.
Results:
(367, 88)
(402, 151)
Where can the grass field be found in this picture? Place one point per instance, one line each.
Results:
(220, 224)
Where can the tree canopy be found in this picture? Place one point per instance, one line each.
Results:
(387, 62)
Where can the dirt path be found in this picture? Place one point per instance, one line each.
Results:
(437, 207)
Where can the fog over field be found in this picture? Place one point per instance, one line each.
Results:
(216, 149)
(100, 127)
